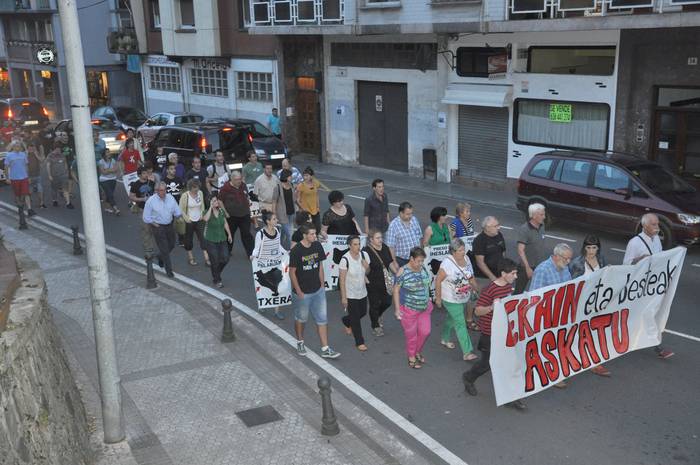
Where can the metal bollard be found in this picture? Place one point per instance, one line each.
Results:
(329, 424)
(151, 282)
(22, 218)
(77, 249)
(227, 334)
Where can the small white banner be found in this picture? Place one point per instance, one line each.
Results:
(127, 179)
(435, 254)
(335, 247)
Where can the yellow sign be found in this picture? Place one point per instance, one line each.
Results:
(560, 112)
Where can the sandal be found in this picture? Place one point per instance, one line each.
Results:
(193, 262)
(362, 348)
(415, 364)
(470, 357)
(449, 345)
(472, 325)
(420, 358)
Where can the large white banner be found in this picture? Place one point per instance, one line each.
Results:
(335, 247)
(273, 287)
(542, 337)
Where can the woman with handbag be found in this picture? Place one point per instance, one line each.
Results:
(192, 207)
(354, 266)
(454, 286)
(382, 268)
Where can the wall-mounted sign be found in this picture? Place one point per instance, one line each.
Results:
(45, 56)
(210, 63)
(378, 103)
(560, 112)
(442, 119)
(159, 60)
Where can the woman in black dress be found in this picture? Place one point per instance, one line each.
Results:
(339, 218)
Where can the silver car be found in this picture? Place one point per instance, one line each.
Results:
(148, 130)
(110, 133)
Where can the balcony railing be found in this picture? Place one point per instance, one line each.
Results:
(23, 5)
(548, 9)
(297, 12)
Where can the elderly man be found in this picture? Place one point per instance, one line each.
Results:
(554, 270)
(159, 212)
(267, 189)
(644, 244)
(531, 245)
(234, 196)
(404, 233)
(489, 247)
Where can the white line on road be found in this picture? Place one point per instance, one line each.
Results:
(687, 336)
(560, 238)
(696, 264)
(506, 227)
(618, 250)
(393, 416)
(356, 197)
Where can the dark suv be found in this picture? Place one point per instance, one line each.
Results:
(611, 192)
(266, 145)
(25, 112)
(205, 138)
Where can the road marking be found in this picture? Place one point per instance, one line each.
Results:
(393, 416)
(323, 185)
(618, 250)
(687, 336)
(355, 197)
(506, 227)
(696, 265)
(560, 238)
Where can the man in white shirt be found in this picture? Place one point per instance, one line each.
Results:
(159, 212)
(644, 244)
(266, 187)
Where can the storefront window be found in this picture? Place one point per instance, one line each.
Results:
(98, 88)
(4, 82)
(551, 123)
(49, 90)
(592, 61)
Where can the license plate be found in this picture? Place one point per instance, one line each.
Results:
(277, 156)
(31, 121)
(109, 139)
(235, 166)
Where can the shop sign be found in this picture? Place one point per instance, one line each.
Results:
(560, 112)
(45, 56)
(159, 60)
(207, 63)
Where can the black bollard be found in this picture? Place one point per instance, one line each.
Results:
(151, 282)
(77, 249)
(227, 334)
(22, 218)
(329, 424)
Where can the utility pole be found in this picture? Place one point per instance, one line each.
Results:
(110, 383)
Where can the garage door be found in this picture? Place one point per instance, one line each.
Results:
(483, 142)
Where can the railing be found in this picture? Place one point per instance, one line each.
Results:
(9, 282)
(548, 9)
(18, 5)
(297, 12)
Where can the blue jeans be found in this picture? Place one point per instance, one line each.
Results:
(286, 238)
(314, 303)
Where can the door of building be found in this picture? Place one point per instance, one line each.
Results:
(483, 142)
(675, 141)
(308, 120)
(383, 117)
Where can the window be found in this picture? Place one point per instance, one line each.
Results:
(594, 61)
(209, 82)
(541, 168)
(609, 178)
(574, 172)
(552, 123)
(165, 78)
(186, 13)
(481, 61)
(186, 119)
(254, 86)
(243, 14)
(155, 14)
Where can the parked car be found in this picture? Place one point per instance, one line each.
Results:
(204, 139)
(110, 133)
(125, 117)
(148, 130)
(611, 192)
(266, 145)
(25, 112)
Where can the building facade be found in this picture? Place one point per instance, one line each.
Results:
(30, 25)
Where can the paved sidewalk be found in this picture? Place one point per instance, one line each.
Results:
(363, 175)
(182, 387)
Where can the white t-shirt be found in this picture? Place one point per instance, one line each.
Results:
(107, 165)
(194, 207)
(355, 279)
(641, 245)
(455, 288)
(267, 247)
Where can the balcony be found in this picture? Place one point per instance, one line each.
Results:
(297, 12)
(25, 6)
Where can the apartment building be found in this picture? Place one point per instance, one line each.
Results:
(198, 57)
(31, 25)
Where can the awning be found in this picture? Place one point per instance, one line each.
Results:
(486, 95)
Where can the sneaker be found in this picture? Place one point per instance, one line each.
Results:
(517, 405)
(330, 353)
(43, 206)
(301, 349)
(70, 206)
(55, 203)
(31, 212)
(220, 284)
(665, 353)
(378, 331)
(381, 321)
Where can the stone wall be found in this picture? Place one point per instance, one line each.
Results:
(42, 418)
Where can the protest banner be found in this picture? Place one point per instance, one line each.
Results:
(542, 337)
(434, 255)
(335, 247)
(273, 287)
(468, 241)
(254, 204)
(127, 179)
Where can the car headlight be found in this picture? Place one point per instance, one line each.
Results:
(686, 218)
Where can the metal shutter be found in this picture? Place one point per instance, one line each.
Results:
(483, 142)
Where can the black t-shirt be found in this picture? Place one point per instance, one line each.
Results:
(159, 162)
(307, 261)
(492, 248)
(288, 200)
(376, 273)
(201, 175)
(340, 224)
(174, 186)
(142, 189)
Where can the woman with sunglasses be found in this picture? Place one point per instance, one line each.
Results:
(589, 261)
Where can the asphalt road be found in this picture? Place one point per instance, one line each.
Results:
(646, 413)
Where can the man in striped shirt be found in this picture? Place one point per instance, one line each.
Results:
(501, 288)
